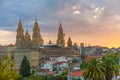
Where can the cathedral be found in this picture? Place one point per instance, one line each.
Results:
(30, 46)
(24, 41)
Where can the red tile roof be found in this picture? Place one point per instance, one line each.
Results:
(88, 58)
(76, 74)
(42, 70)
(59, 63)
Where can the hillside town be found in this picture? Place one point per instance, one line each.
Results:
(52, 58)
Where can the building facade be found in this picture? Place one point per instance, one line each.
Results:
(24, 41)
(30, 46)
(60, 37)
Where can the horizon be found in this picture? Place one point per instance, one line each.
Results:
(91, 22)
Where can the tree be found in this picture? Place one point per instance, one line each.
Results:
(25, 67)
(93, 70)
(74, 60)
(62, 76)
(100, 69)
(77, 79)
(6, 69)
(33, 77)
(111, 64)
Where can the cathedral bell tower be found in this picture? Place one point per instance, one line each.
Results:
(60, 37)
(69, 43)
(36, 37)
(20, 35)
(27, 40)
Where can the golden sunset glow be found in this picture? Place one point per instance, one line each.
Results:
(96, 23)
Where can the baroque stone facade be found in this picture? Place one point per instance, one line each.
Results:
(60, 37)
(69, 43)
(25, 46)
(18, 54)
(30, 46)
(24, 41)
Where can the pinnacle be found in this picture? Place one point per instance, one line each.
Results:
(20, 20)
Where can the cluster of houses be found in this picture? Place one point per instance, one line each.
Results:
(57, 65)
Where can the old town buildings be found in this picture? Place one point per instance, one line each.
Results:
(32, 46)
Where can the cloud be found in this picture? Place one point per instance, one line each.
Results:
(98, 11)
(76, 12)
(86, 17)
(7, 37)
(74, 7)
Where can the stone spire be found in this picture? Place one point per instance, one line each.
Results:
(20, 35)
(69, 43)
(20, 30)
(36, 37)
(27, 40)
(60, 37)
(36, 26)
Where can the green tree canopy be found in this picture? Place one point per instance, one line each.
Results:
(111, 65)
(74, 60)
(25, 67)
(102, 69)
(6, 69)
(33, 77)
(93, 70)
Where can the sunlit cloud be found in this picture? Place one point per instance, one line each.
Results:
(96, 9)
(117, 17)
(76, 12)
(89, 18)
(74, 7)
(97, 12)
(7, 37)
(95, 17)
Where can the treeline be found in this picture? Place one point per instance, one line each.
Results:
(104, 68)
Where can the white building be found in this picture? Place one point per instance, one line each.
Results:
(47, 65)
(60, 65)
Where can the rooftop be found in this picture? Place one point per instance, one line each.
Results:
(76, 74)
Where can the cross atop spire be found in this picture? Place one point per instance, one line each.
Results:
(60, 23)
(20, 27)
(36, 26)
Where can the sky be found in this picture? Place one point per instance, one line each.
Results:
(94, 22)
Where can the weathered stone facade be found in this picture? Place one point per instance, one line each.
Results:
(69, 43)
(20, 35)
(60, 37)
(36, 37)
(24, 41)
(25, 46)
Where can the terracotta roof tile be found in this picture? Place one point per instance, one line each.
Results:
(76, 73)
